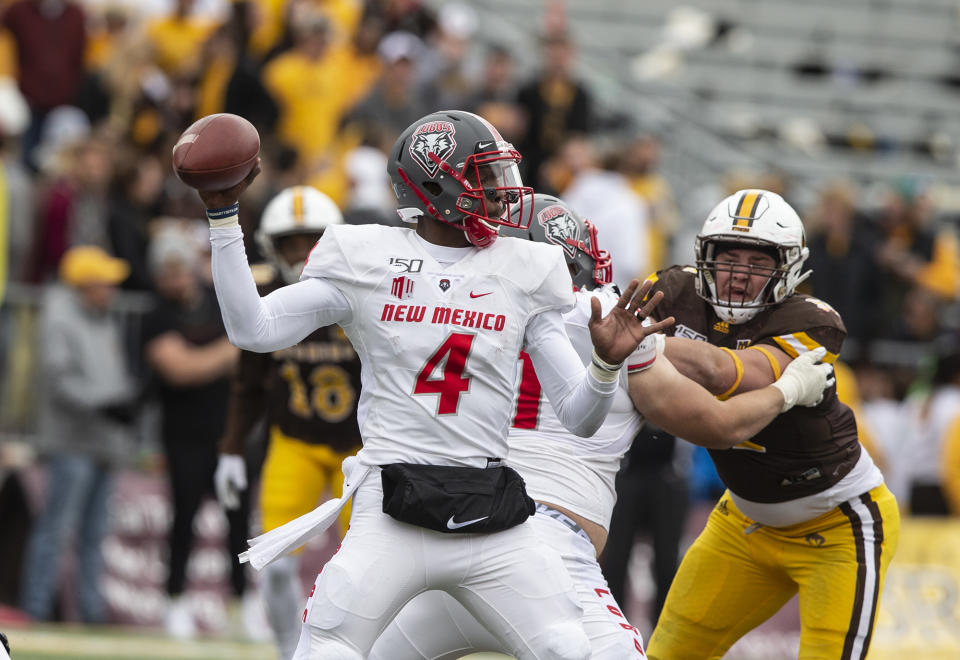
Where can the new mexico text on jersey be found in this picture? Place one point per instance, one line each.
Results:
(452, 350)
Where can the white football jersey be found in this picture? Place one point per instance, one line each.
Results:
(445, 339)
(558, 467)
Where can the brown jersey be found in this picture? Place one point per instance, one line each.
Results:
(309, 390)
(804, 450)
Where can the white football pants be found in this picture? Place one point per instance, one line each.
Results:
(434, 626)
(510, 581)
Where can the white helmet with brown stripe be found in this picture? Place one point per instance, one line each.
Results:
(758, 220)
(295, 211)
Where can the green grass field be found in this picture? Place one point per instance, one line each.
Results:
(70, 642)
(61, 642)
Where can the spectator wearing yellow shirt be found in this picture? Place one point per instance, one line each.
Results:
(361, 59)
(177, 39)
(108, 30)
(344, 16)
(306, 82)
(232, 78)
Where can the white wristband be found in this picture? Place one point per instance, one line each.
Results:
(602, 370)
(228, 216)
(229, 221)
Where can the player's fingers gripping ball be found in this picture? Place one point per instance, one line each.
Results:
(219, 156)
(216, 152)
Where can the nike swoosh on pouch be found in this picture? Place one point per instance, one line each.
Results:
(458, 525)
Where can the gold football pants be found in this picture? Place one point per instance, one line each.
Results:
(295, 476)
(737, 574)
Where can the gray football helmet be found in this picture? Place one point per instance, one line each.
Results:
(452, 165)
(555, 223)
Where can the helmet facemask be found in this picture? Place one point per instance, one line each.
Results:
(490, 193)
(782, 278)
(602, 263)
(290, 270)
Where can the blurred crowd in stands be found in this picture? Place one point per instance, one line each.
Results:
(104, 254)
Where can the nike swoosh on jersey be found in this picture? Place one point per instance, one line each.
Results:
(480, 295)
(458, 525)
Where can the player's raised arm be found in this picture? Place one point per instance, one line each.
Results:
(287, 315)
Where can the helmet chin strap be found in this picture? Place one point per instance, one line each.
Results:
(409, 214)
(803, 278)
(735, 315)
(479, 233)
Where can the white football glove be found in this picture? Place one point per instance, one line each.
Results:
(804, 380)
(229, 479)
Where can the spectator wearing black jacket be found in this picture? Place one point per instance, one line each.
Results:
(186, 346)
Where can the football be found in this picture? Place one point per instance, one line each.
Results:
(216, 152)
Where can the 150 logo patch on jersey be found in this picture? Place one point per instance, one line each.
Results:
(687, 332)
(406, 265)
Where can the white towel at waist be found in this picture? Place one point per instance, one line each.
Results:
(269, 546)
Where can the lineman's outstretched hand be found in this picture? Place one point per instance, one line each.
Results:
(219, 199)
(616, 335)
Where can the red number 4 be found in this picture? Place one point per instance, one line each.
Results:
(452, 382)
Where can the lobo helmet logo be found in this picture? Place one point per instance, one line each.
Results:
(435, 137)
(559, 227)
